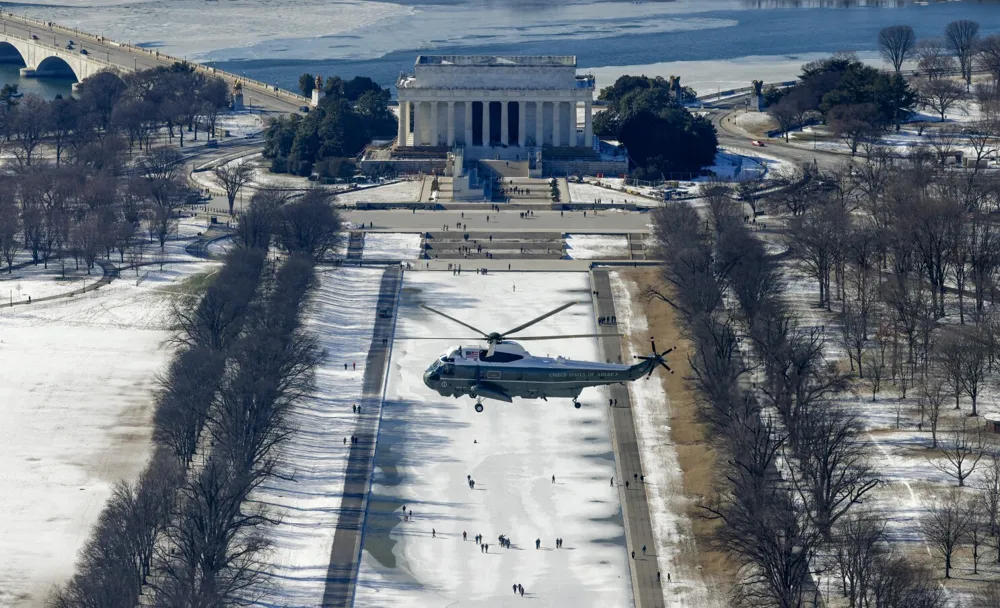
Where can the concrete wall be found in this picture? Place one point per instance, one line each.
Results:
(584, 167)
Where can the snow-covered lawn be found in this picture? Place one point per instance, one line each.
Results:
(754, 122)
(597, 246)
(240, 124)
(428, 444)
(664, 483)
(75, 405)
(307, 493)
(589, 193)
(399, 192)
(392, 246)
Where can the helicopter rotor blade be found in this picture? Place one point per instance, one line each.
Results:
(567, 336)
(536, 319)
(452, 338)
(462, 323)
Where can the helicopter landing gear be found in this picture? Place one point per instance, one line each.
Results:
(479, 406)
(577, 404)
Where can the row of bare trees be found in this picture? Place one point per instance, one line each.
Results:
(117, 558)
(188, 529)
(773, 526)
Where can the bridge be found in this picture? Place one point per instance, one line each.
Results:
(43, 47)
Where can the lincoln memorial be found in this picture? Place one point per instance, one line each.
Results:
(480, 101)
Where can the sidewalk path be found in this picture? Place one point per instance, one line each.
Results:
(635, 508)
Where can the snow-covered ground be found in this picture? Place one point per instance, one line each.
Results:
(664, 483)
(590, 192)
(391, 246)
(596, 246)
(755, 122)
(428, 444)
(241, 124)
(307, 494)
(398, 192)
(75, 405)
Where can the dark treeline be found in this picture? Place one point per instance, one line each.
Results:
(326, 140)
(773, 527)
(186, 531)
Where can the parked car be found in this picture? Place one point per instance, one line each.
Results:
(212, 143)
(84, 52)
(34, 36)
(304, 109)
(757, 143)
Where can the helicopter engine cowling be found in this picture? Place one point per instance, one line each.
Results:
(490, 391)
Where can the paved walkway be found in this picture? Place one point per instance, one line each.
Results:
(346, 553)
(635, 508)
(110, 273)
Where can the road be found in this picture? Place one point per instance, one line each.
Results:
(130, 57)
(735, 139)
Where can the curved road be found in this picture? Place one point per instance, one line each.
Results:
(734, 138)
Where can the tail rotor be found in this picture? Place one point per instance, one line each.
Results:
(657, 358)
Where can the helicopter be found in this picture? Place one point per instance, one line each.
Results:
(505, 369)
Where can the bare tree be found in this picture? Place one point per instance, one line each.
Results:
(945, 524)
(859, 542)
(257, 224)
(831, 472)
(962, 453)
(962, 39)
(310, 225)
(10, 228)
(930, 401)
(875, 362)
(31, 123)
(233, 177)
(979, 529)
(896, 44)
(986, 596)
(939, 94)
(933, 58)
(982, 137)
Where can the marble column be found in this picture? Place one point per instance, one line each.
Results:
(401, 130)
(486, 123)
(556, 135)
(451, 124)
(504, 124)
(539, 123)
(418, 121)
(588, 125)
(468, 123)
(435, 124)
(522, 119)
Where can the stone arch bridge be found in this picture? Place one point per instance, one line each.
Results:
(45, 59)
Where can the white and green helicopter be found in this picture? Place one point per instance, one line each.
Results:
(505, 370)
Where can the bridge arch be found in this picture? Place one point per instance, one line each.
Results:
(56, 66)
(10, 54)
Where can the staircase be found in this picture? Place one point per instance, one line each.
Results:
(449, 245)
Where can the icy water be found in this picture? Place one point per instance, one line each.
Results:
(276, 40)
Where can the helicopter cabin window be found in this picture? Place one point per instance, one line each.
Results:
(498, 357)
(492, 375)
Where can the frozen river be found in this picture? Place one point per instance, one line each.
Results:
(732, 41)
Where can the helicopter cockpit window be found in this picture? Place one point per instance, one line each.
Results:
(498, 357)
(448, 370)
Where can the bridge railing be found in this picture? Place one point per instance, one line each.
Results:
(262, 87)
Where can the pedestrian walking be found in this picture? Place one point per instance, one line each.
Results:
(434, 533)
(538, 543)
(463, 535)
(612, 482)
(553, 479)
(668, 577)
(642, 479)
(521, 589)
(354, 365)
(626, 484)
(487, 547)
(345, 440)
(657, 576)
(644, 549)
(635, 477)
(515, 588)
(354, 408)
(633, 555)
(482, 548)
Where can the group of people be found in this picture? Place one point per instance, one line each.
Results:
(518, 588)
(611, 320)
